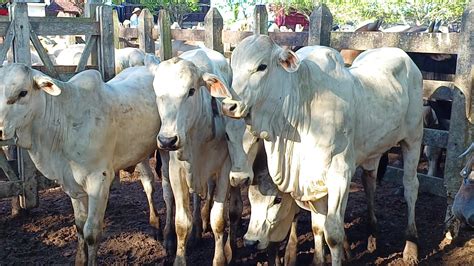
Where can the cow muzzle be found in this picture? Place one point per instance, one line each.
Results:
(168, 143)
(240, 178)
(233, 108)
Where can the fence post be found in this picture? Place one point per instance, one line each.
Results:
(106, 42)
(260, 20)
(166, 51)
(21, 42)
(90, 12)
(117, 43)
(213, 26)
(459, 136)
(145, 31)
(320, 25)
(22, 54)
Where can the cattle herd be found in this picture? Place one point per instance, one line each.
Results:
(293, 126)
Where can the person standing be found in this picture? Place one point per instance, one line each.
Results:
(134, 17)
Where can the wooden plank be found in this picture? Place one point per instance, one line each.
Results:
(64, 69)
(129, 33)
(86, 54)
(145, 28)
(188, 34)
(4, 25)
(234, 37)
(440, 43)
(213, 24)
(7, 168)
(21, 42)
(107, 49)
(260, 16)
(290, 38)
(428, 184)
(27, 172)
(43, 54)
(10, 188)
(117, 42)
(435, 89)
(7, 42)
(435, 137)
(64, 26)
(320, 26)
(166, 51)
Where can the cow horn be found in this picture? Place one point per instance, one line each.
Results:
(470, 149)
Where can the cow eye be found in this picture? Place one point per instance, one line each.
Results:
(22, 94)
(277, 200)
(191, 91)
(261, 67)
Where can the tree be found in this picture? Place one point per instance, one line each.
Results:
(177, 9)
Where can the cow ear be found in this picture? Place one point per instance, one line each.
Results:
(289, 60)
(216, 87)
(151, 62)
(47, 84)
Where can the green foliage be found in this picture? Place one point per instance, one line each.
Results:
(413, 12)
(177, 9)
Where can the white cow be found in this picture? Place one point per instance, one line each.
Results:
(194, 133)
(80, 133)
(128, 57)
(320, 121)
(124, 58)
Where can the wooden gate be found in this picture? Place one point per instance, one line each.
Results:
(17, 31)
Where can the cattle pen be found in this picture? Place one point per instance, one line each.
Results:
(100, 27)
(460, 86)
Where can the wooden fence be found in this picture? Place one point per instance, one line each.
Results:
(459, 90)
(17, 31)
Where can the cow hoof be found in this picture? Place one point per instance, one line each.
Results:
(410, 253)
(371, 244)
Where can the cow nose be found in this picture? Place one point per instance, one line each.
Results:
(251, 243)
(167, 143)
(229, 108)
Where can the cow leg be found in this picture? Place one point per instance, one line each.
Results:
(218, 218)
(433, 154)
(196, 233)
(411, 155)
(80, 216)
(235, 213)
(206, 208)
(169, 230)
(183, 217)
(369, 180)
(291, 246)
(272, 254)
(97, 188)
(147, 179)
(317, 225)
(338, 181)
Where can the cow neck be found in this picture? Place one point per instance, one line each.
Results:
(205, 117)
(287, 113)
(49, 126)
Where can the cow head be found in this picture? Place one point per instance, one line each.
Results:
(179, 86)
(21, 97)
(258, 66)
(463, 206)
(272, 213)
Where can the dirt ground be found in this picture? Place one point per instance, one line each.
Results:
(46, 235)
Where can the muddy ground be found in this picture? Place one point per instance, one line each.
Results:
(46, 235)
